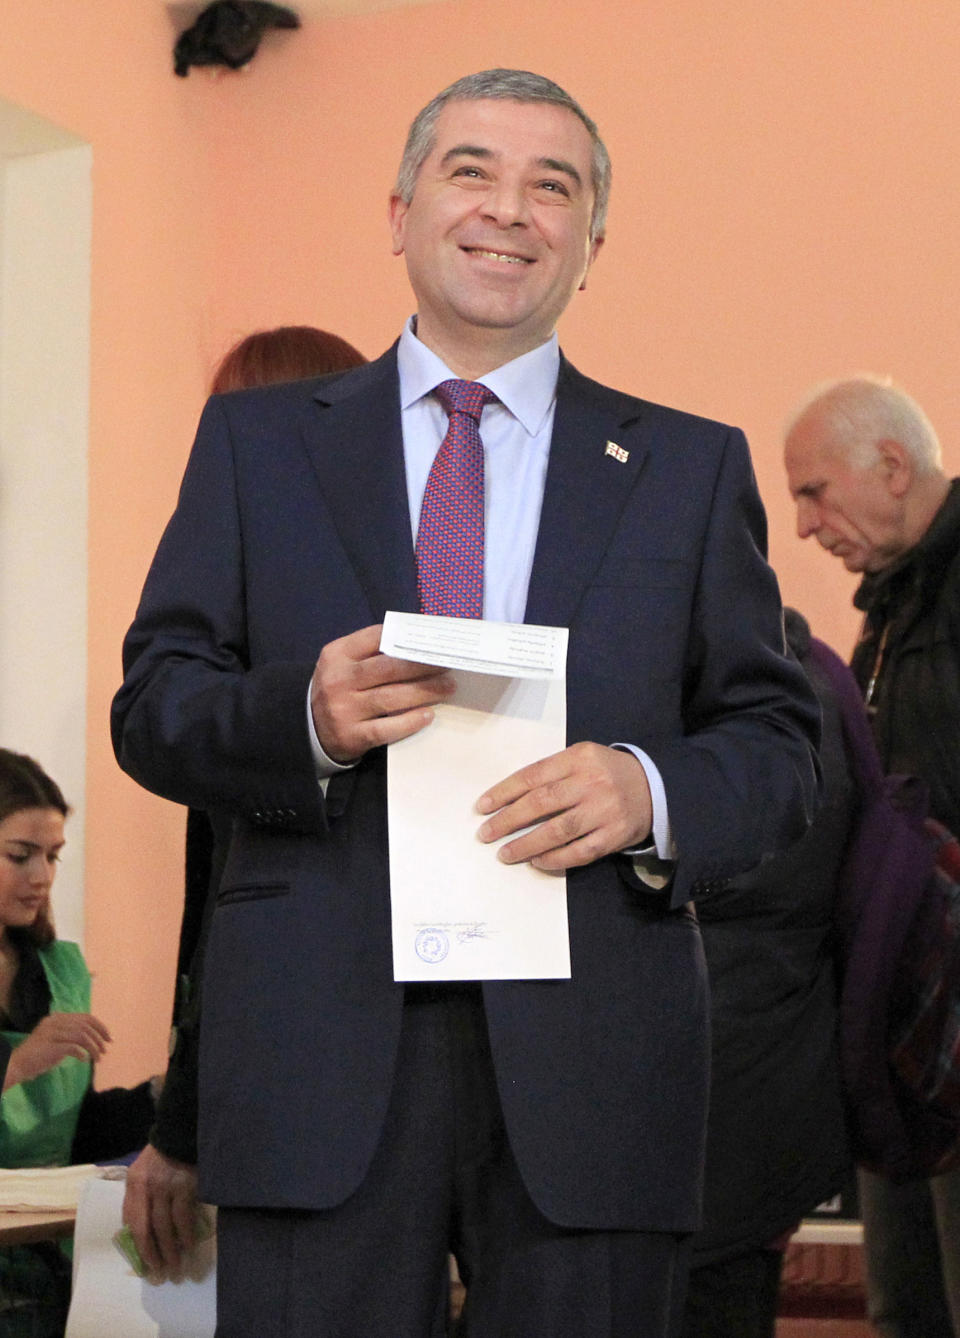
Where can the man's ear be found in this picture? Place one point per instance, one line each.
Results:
(594, 252)
(898, 467)
(397, 212)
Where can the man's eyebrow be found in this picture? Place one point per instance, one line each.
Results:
(465, 151)
(561, 165)
(31, 845)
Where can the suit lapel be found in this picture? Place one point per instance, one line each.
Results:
(585, 492)
(355, 443)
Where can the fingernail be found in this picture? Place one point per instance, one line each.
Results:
(483, 804)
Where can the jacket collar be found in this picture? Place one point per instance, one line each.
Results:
(919, 569)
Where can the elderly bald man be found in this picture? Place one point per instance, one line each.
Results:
(864, 468)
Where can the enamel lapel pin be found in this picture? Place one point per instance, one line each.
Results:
(617, 452)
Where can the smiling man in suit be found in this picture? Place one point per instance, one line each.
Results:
(354, 1129)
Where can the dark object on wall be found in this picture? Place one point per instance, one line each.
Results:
(228, 33)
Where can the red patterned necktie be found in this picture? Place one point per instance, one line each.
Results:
(450, 534)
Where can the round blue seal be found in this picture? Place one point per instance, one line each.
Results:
(432, 945)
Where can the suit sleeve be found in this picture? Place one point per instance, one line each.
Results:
(194, 720)
(742, 781)
(174, 1132)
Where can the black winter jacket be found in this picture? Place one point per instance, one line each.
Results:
(776, 1135)
(915, 704)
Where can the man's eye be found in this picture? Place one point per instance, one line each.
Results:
(16, 859)
(555, 187)
(467, 172)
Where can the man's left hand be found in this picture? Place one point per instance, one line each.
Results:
(582, 804)
(160, 1208)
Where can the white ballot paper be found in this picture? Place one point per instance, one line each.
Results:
(458, 913)
(108, 1298)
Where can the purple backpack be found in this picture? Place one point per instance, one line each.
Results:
(898, 929)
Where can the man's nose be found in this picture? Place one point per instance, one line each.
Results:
(808, 521)
(506, 204)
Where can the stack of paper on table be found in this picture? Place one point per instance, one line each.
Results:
(39, 1189)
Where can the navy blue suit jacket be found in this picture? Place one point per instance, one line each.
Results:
(292, 529)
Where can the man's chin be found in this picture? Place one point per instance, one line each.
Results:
(852, 560)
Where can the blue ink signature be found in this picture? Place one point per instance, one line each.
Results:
(477, 930)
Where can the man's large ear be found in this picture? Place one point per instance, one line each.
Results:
(397, 213)
(898, 466)
(594, 252)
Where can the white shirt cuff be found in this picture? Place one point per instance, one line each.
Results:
(325, 766)
(662, 843)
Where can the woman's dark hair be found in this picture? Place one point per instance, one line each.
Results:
(289, 353)
(24, 784)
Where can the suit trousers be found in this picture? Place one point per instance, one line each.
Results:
(443, 1180)
(734, 1298)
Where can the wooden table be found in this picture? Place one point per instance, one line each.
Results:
(27, 1228)
(824, 1231)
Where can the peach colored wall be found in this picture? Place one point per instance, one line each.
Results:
(103, 72)
(784, 210)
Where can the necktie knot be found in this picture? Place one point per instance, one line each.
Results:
(467, 397)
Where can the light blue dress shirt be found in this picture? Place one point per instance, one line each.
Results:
(516, 436)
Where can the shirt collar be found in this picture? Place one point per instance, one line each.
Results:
(527, 386)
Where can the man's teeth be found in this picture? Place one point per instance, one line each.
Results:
(498, 255)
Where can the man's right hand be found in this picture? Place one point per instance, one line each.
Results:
(160, 1208)
(361, 699)
(55, 1037)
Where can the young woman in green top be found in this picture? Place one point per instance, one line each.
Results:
(49, 1113)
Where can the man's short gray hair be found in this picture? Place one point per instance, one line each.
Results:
(864, 410)
(520, 86)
